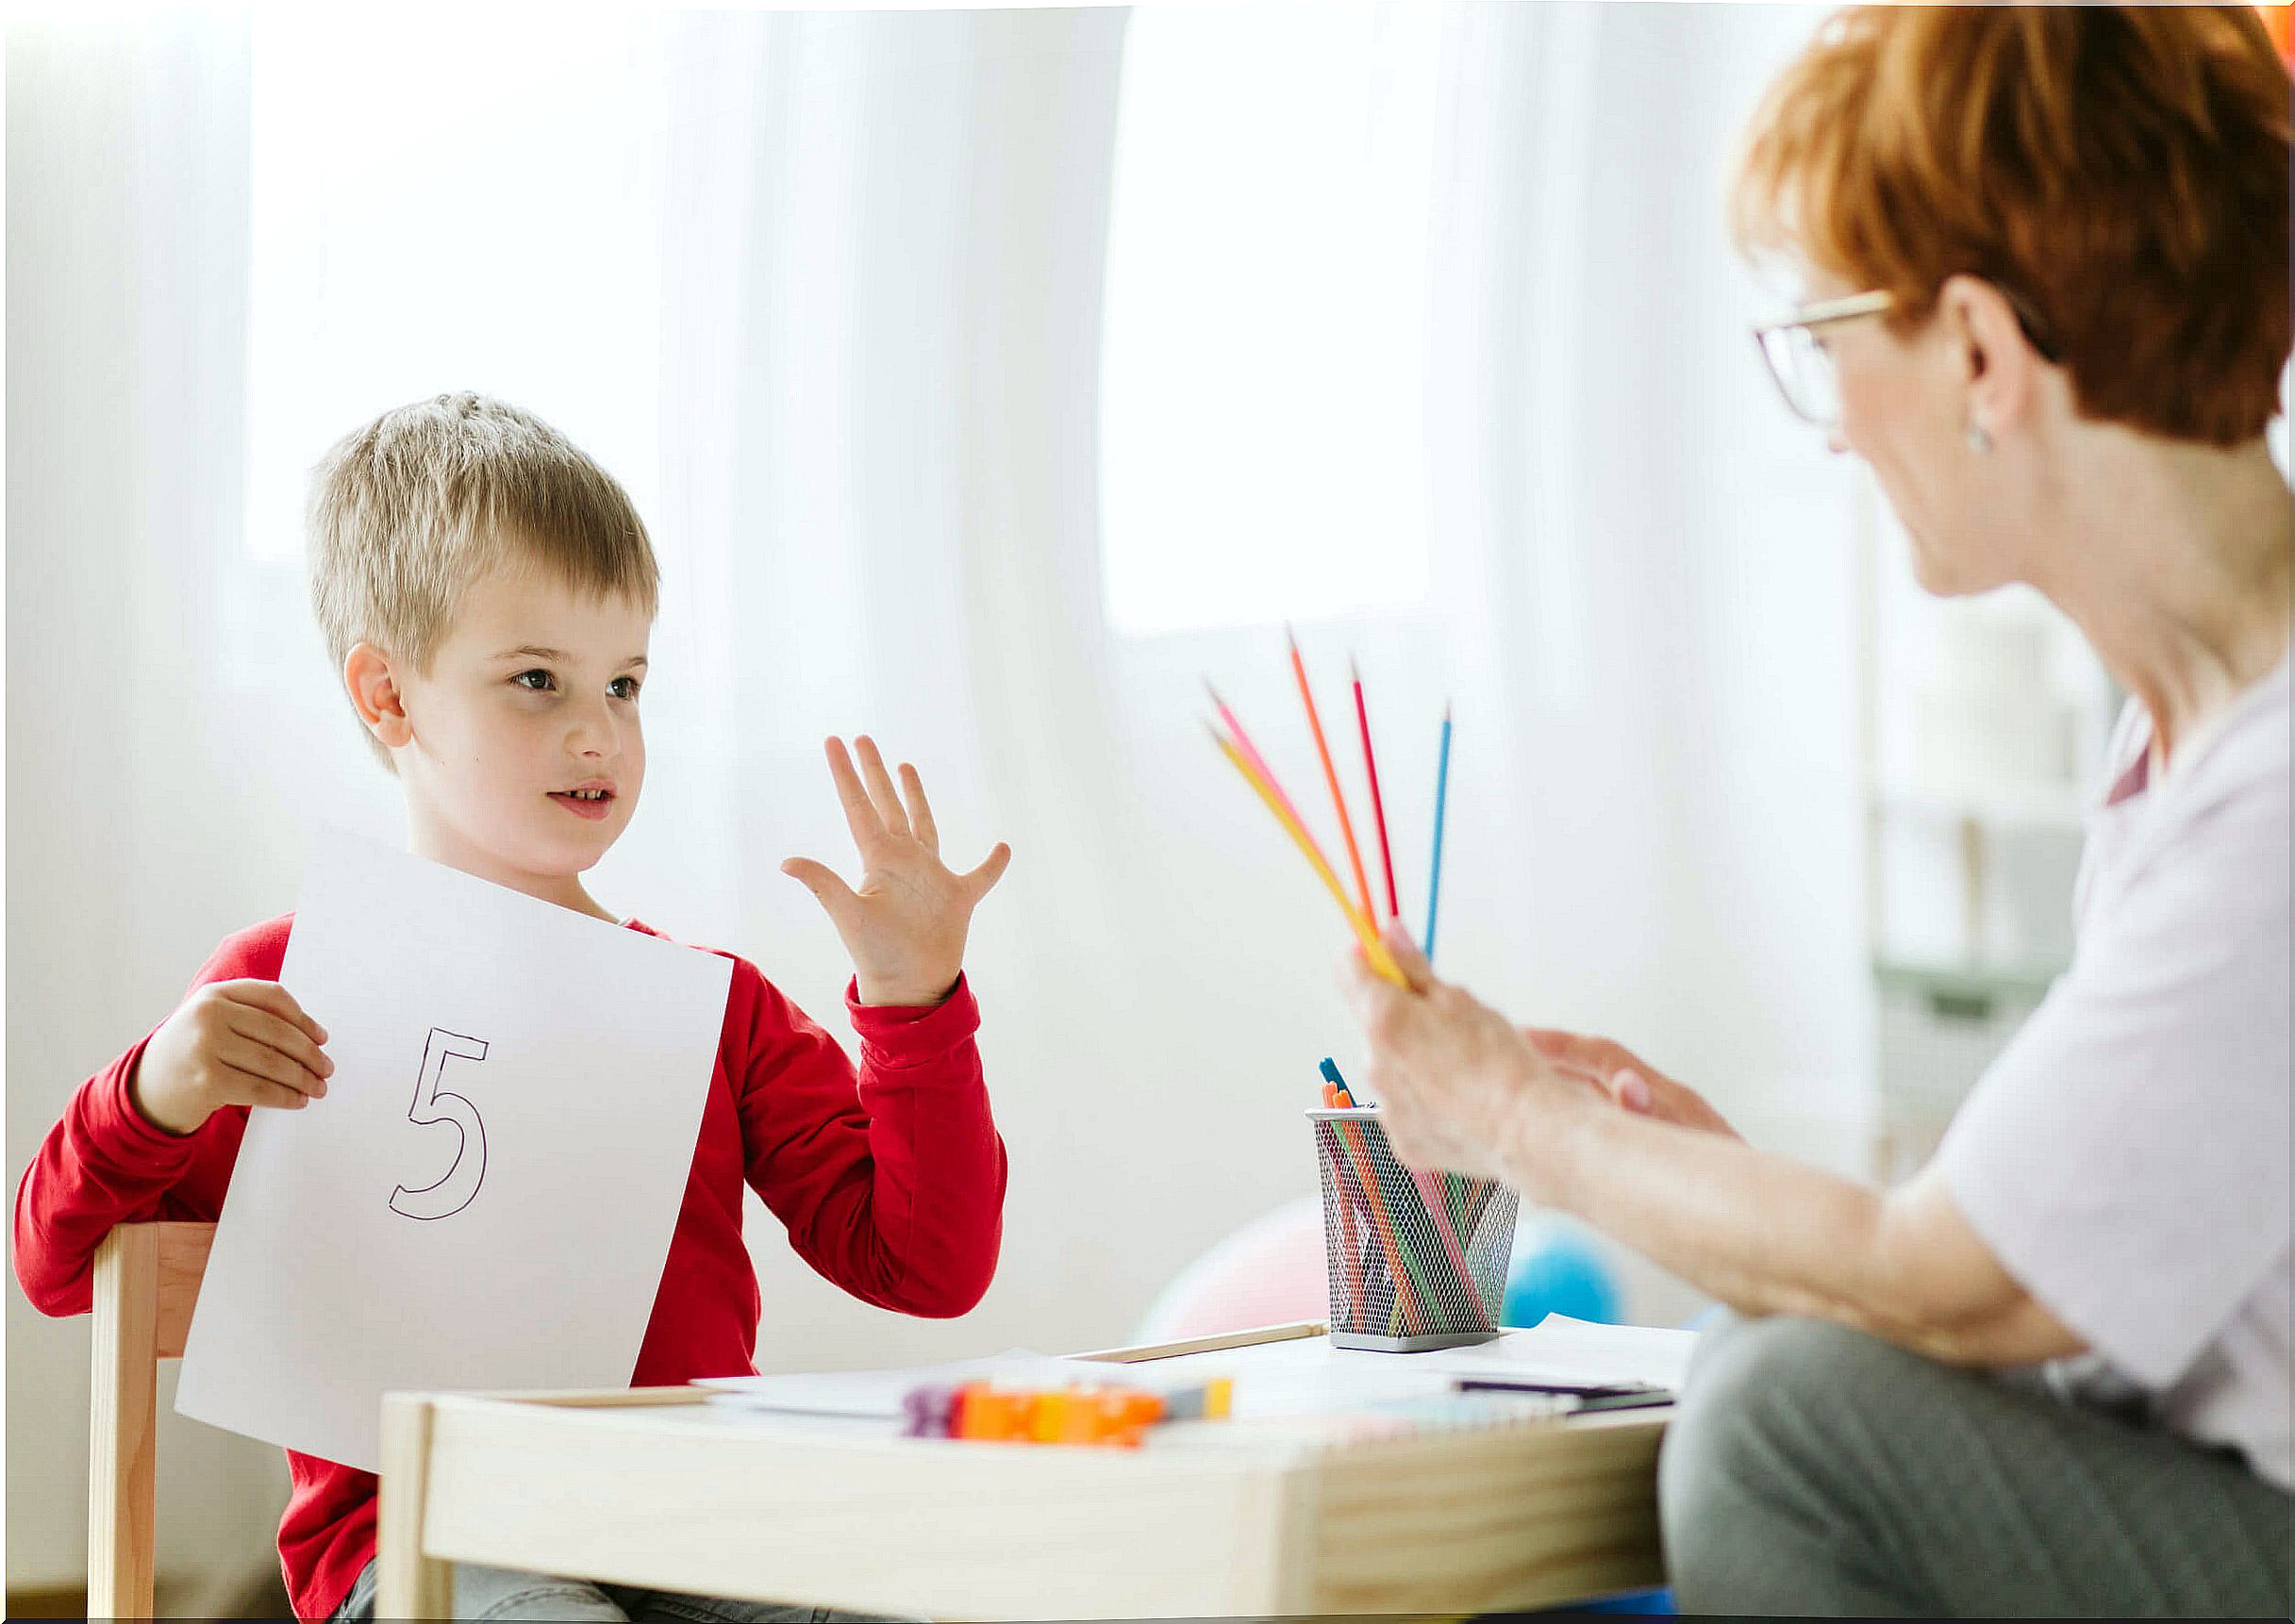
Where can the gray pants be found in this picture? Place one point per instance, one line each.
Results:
(1811, 1470)
(503, 1593)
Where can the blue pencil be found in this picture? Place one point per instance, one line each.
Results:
(1433, 885)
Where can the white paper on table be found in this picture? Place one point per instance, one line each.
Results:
(486, 1194)
(1339, 1382)
(1307, 1376)
(1560, 1349)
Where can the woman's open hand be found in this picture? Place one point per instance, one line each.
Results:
(1631, 1082)
(1457, 1081)
(904, 927)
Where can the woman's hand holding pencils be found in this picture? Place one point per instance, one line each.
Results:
(1450, 1073)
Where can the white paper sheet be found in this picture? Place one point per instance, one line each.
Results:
(486, 1194)
(1560, 1349)
(1295, 1379)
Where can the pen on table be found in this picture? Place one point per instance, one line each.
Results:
(1649, 1400)
(1589, 1398)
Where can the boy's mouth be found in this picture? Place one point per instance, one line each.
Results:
(591, 803)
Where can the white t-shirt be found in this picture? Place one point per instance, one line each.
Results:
(2127, 1155)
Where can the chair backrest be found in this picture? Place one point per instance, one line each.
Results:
(146, 1280)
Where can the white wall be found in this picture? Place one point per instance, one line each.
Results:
(1641, 600)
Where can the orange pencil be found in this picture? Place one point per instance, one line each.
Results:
(1379, 806)
(1330, 773)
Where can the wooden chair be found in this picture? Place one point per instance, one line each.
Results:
(146, 1280)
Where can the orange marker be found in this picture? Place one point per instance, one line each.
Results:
(986, 1411)
(1116, 1416)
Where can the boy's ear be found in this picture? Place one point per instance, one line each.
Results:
(366, 671)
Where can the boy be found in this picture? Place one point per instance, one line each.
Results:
(487, 594)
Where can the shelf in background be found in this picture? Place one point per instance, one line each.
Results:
(2003, 807)
(1970, 978)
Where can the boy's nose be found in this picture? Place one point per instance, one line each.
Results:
(595, 737)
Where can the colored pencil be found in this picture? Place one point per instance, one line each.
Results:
(1353, 1246)
(1330, 774)
(1478, 1202)
(1430, 1195)
(1251, 753)
(1399, 1265)
(1361, 1201)
(1434, 881)
(1354, 1228)
(1373, 950)
(1378, 806)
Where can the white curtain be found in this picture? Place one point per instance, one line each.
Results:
(139, 826)
(826, 291)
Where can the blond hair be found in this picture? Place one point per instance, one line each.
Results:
(407, 511)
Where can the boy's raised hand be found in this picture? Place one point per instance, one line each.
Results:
(904, 927)
(230, 1043)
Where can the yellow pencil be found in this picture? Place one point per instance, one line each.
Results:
(1373, 950)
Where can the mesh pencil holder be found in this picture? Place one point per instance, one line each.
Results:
(1417, 1260)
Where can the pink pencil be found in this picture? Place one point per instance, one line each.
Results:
(1251, 753)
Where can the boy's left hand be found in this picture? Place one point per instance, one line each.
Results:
(905, 928)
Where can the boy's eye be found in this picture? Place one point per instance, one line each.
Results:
(542, 681)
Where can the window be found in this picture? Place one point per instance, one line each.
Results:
(430, 219)
(1263, 362)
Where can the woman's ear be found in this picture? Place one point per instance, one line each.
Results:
(2002, 367)
(375, 693)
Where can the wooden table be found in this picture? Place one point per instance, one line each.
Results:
(650, 1486)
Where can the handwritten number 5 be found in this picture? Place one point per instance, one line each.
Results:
(455, 1189)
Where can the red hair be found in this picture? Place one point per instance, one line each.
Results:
(2120, 171)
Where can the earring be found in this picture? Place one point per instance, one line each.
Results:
(1979, 441)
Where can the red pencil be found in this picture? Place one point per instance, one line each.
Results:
(1330, 773)
(1378, 807)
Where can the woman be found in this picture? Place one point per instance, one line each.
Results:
(2047, 251)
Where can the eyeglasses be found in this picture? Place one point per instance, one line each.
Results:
(1803, 367)
(1798, 358)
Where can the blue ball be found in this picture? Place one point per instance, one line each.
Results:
(1558, 1269)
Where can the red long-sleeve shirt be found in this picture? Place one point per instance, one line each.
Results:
(890, 1180)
